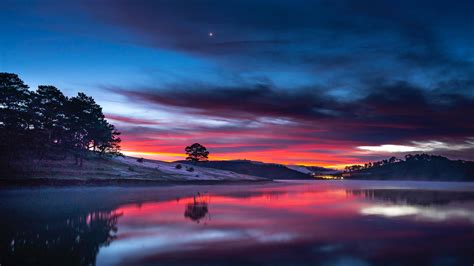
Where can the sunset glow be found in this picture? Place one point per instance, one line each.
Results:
(248, 84)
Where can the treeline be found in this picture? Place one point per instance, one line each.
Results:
(393, 160)
(357, 167)
(45, 124)
(414, 167)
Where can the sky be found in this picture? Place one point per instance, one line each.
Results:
(325, 83)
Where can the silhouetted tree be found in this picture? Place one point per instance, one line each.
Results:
(196, 153)
(49, 117)
(15, 98)
(107, 140)
(88, 129)
(392, 160)
(352, 168)
(35, 123)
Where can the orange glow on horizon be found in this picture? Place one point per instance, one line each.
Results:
(276, 157)
(278, 144)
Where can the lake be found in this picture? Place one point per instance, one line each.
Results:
(277, 223)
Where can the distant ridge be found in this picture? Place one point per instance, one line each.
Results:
(255, 168)
(414, 167)
(313, 170)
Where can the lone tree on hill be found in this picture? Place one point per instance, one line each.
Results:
(196, 153)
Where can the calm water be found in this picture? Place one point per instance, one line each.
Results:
(285, 223)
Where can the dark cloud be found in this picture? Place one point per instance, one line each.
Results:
(405, 67)
(412, 34)
(389, 112)
(131, 120)
(239, 102)
(242, 148)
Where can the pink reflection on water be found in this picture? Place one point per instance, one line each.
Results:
(294, 222)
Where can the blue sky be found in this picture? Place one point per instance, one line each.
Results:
(276, 81)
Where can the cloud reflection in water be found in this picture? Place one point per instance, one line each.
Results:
(298, 223)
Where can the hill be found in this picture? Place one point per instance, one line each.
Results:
(246, 167)
(120, 169)
(414, 167)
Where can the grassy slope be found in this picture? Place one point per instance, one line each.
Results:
(122, 168)
(266, 170)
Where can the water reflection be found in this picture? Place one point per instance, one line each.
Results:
(277, 224)
(198, 209)
(68, 241)
(414, 196)
(424, 205)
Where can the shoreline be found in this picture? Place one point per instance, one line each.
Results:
(144, 182)
(93, 182)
